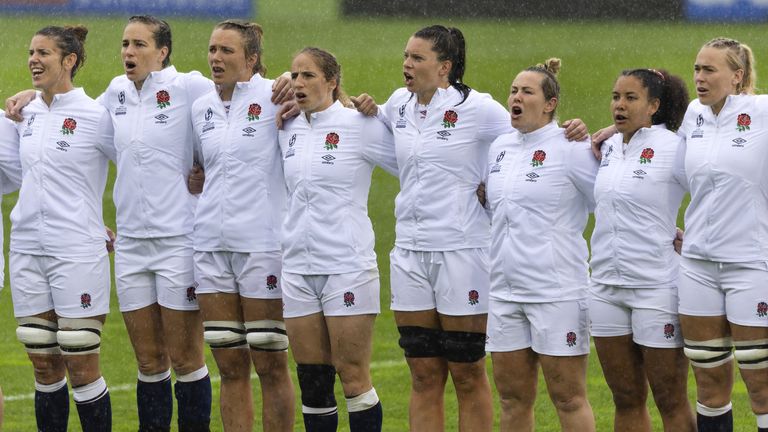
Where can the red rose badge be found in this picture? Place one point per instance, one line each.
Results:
(669, 330)
(85, 300)
(538, 158)
(271, 282)
(332, 141)
(349, 299)
(474, 297)
(742, 122)
(69, 126)
(570, 339)
(450, 118)
(762, 309)
(646, 156)
(254, 110)
(163, 99)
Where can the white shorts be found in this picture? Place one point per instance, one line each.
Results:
(155, 270)
(344, 294)
(453, 282)
(553, 329)
(737, 290)
(252, 275)
(648, 314)
(74, 289)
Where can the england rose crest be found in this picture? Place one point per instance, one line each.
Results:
(349, 299)
(85, 300)
(646, 156)
(538, 158)
(254, 111)
(271, 282)
(69, 126)
(191, 295)
(332, 141)
(742, 122)
(762, 309)
(669, 331)
(163, 99)
(570, 339)
(474, 297)
(450, 118)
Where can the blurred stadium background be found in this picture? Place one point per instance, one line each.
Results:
(596, 39)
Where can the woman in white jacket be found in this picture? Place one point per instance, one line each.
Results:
(539, 192)
(633, 295)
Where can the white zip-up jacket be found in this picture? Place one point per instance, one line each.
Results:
(540, 192)
(65, 151)
(638, 192)
(242, 205)
(441, 164)
(726, 162)
(328, 165)
(153, 138)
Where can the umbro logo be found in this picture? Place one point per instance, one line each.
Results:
(328, 159)
(739, 142)
(639, 174)
(249, 131)
(444, 134)
(62, 145)
(532, 176)
(161, 119)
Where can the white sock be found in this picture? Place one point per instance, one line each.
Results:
(50, 388)
(162, 376)
(712, 412)
(194, 375)
(363, 402)
(90, 392)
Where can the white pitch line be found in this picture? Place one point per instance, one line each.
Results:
(214, 378)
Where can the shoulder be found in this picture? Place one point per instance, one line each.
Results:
(204, 101)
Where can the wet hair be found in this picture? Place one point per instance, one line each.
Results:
(252, 35)
(161, 33)
(69, 40)
(671, 92)
(448, 43)
(331, 70)
(549, 84)
(738, 56)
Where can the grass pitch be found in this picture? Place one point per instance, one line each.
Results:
(370, 51)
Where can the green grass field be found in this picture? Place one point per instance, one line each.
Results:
(370, 51)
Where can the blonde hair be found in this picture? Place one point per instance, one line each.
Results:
(738, 56)
(549, 85)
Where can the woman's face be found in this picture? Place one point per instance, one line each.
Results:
(528, 108)
(139, 53)
(714, 78)
(48, 68)
(422, 70)
(226, 57)
(313, 92)
(630, 106)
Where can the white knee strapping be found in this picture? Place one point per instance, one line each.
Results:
(38, 335)
(267, 335)
(712, 412)
(79, 336)
(224, 334)
(363, 402)
(710, 353)
(751, 354)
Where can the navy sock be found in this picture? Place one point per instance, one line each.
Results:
(721, 423)
(366, 421)
(52, 408)
(327, 422)
(96, 415)
(194, 403)
(155, 403)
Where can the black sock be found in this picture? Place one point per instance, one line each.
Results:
(52, 409)
(721, 423)
(155, 404)
(194, 404)
(96, 415)
(327, 422)
(367, 420)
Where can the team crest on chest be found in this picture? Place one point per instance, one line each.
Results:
(208, 125)
(646, 156)
(121, 110)
(742, 122)
(698, 132)
(28, 129)
(291, 151)
(450, 118)
(538, 158)
(401, 121)
(163, 99)
(254, 111)
(69, 126)
(497, 166)
(332, 141)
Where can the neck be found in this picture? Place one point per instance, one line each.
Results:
(534, 127)
(425, 97)
(717, 107)
(61, 88)
(226, 91)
